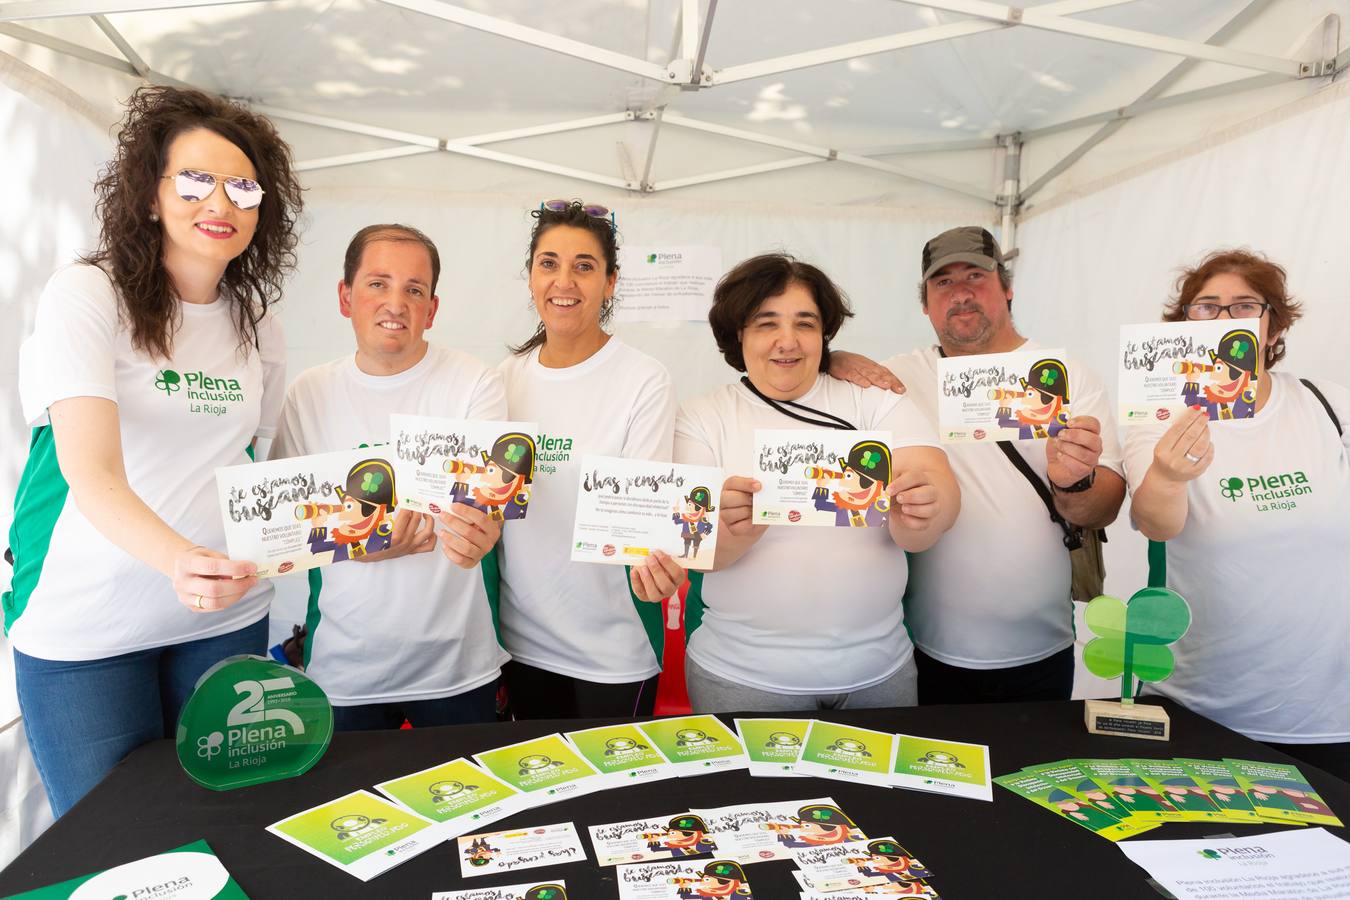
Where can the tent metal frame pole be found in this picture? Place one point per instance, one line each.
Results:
(534, 37)
(124, 48)
(1009, 200)
(1049, 20)
(351, 159)
(19, 10)
(1226, 31)
(37, 38)
(742, 172)
(646, 183)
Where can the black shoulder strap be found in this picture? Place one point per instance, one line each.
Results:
(826, 421)
(1073, 535)
(1325, 405)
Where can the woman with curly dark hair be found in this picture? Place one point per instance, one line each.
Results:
(1249, 520)
(153, 361)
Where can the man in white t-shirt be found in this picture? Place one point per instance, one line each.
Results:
(402, 633)
(988, 607)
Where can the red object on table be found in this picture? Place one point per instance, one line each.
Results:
(672, 699)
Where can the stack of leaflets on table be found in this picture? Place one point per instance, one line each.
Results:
(519, 848)
(880, 866)
(1119, 798)
(360, 833)
(457, 794)
(191, 870)
(530, 890)
(696, 745)
(659, 837)
(678, 880)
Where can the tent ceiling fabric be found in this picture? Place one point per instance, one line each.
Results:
(386, 66)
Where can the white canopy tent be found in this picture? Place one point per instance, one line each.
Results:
(1111, 141)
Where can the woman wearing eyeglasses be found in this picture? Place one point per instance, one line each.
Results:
(581, 645)
(1249, 520)
(153, 361)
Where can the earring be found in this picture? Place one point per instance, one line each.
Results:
(154, 217)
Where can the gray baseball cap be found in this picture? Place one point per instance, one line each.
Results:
(967, 244)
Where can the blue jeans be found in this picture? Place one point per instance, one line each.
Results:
(82, 717)
(468, 708)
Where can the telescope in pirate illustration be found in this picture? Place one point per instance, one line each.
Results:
(1182, 367)
(316, 510)
(814, 472)
(460, 467)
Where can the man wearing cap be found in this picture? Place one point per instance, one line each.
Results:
(364, 525)
(862, 501)
(1230, 393)
(693, 521)
(988, 606)
(408, 634)
(503, 490)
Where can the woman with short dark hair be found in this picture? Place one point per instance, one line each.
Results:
(1249, 520)
(803, 618)
(153, 361)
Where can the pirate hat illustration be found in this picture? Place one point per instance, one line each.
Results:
(702, 498)
(871, 460)
(514, 452)
(824, 814)
(885, 847)
(371, 483)
(1238, 349)
(1049, 377)
(722, 868)
(688, 823)
(545, 892)
(478, 852)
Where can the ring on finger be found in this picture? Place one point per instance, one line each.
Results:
(1192, 457)
(200, 602)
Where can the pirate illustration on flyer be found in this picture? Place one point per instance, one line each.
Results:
(817, 825)
(1044, 410)
(721, 878)
(686, 835)
(693, 519)
(545, 892)
(479, 853)
(887, 859)
(503, 481)
(1233, 370)
(365, 515)
(860, 501)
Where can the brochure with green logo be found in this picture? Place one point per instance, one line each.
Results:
(621, 753)
(362, 834)
(1280, 792)
(684, 880)
(847, 753)
(494, 852)
(184, 873)
(1070, 777)
(756, 832)
(1043, 793)
(773, 746)
(1129, 790)
(457, 794)
(1217, 780)
(696, 745)
(547, 769)
(1178, 788)
(252, 720)
(943, 767)
(550, 890)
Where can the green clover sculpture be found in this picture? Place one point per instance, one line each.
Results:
(1132, 638)
(372, 481)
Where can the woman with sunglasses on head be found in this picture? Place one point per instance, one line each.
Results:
(153, 361)
(581, 645)
(1250, 521)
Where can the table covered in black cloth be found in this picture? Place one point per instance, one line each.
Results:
(1010, 848)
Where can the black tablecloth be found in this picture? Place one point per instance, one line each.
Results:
(1006, 849)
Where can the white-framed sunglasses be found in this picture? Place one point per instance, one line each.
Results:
(195, 185)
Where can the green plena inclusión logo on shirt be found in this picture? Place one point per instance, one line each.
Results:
(550, 451)
(206, 394)
(1268, 492)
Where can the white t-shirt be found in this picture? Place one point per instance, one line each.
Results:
(569, 618)
(994, 592)
(76, 595)
(1264, 560)
(417, 627)
(805, 610)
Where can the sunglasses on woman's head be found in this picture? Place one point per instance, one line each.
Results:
(594, 210)
(194, 186)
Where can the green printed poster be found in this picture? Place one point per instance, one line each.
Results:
(847, 753)
(362, 834)
(943, 767)
(1043, 793)
(1280, 792)
(1178, 788)
(1129, 790)
(547, 767)
(773, 745)
(457, 794)
(1217, 780)
(1072, 779)
(696, 745)
(190, 871)
(621, 753)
